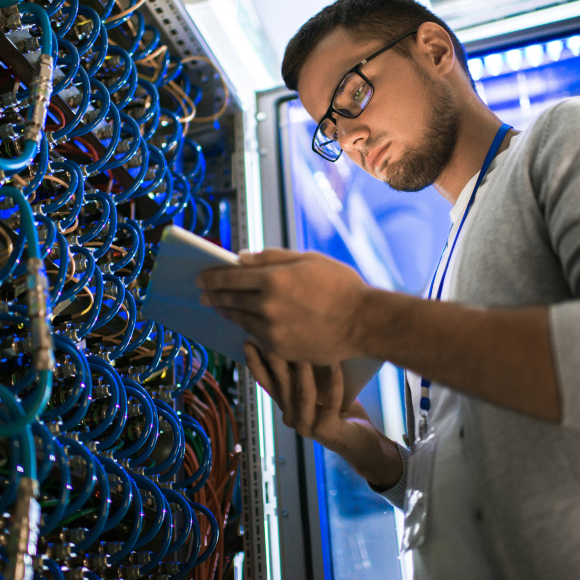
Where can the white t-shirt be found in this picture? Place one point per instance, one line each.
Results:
(456, 214)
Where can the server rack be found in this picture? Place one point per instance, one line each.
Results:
(226, 182)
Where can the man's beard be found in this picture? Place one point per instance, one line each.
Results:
(420, 166)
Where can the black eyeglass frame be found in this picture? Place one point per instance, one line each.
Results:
(355, 69)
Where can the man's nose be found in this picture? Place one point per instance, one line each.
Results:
(352, 133)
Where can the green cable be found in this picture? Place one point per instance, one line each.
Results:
(78, 515)
(49, 502)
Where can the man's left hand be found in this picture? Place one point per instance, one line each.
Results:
(301, 306)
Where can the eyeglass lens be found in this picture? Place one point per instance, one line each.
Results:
(352, 96)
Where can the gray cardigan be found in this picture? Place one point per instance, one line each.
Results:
(506, 487)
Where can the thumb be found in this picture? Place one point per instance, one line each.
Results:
(268, 256)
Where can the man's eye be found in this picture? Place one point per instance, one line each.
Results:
(359, 95)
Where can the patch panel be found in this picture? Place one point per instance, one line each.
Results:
(119, 443)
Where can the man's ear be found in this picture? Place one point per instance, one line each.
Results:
(435, 49)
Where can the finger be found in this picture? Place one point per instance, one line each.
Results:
(306, 395)
(261, 372)
(229, 278)
(281, 369)
(335, 396)
(268, 256)
(252, 302)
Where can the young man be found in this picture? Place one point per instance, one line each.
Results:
(501, 345)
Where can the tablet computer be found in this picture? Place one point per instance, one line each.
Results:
(173, 301)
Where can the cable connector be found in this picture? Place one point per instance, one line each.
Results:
(39, 314)
(24, 533)
(40, 92)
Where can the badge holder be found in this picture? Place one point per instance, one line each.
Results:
(418, 488)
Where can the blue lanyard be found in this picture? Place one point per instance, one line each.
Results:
(425, 383)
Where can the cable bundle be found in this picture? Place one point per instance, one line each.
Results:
(118, 447)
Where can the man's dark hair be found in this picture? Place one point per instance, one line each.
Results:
(369, 20)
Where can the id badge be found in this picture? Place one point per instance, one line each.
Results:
(418, 491)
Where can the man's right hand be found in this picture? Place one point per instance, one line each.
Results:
(310, 399)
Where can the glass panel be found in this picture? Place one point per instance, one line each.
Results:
(393, 239)
(461, 14)
(519, 84)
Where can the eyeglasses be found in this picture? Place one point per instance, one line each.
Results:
(351, 97)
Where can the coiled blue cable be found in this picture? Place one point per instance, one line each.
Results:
(146, 484)
(128, 334)
(208, 212)
(129, 544)
(135, 390)
(62, 269)
(204, 468)
(39, 429)
(153, 43)
(174, 497)
(71, 12)
(110, 151)
(70, 191)
(113, 404)
(213, 538)
(158, 556)
(145, 333)
(102, 54)
(161, 211)
(78, 199)
(139, 32)
(160, 341)
(53, 7)
(72, 60)
(103, 96)
(174, 455)
(103, 219)
(121, 416)
(22, 418)
(103, 511)
(155, 156)
(42, 18)
(77, 448)
(82, 109)
(136, 185)
(184, 569)
(132, 252)
(94, 34)
(114, 468)
(54, 569)
(136, 135)
(87, 275)
(50, 522)
(64, 344)
(120, 289)
(111, 228)
(42, 167)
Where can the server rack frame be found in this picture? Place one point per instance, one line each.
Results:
(178, 27)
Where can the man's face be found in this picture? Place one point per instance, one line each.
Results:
(406, 136)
